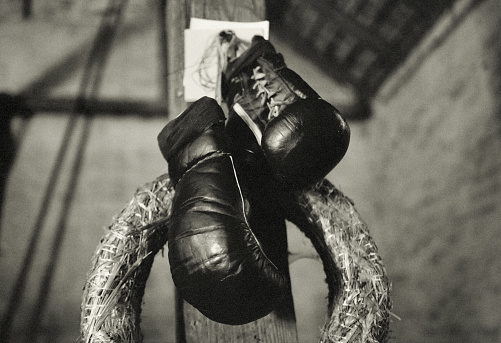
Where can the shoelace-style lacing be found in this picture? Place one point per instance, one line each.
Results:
(266, 92)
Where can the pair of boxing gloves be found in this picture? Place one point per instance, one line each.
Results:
(222, 204)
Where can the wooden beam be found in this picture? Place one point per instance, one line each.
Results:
(277, 327)
(193, 327)
(369, 38)
(230, 10)
(176, 22)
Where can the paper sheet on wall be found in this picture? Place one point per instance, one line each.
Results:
(200, 53)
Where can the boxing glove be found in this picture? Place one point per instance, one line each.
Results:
(248, 118)
(217, 263)
(243, 66)
(301, 136)
(305, 142)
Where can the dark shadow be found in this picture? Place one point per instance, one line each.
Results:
(360, 44)
(27, 9)
(89, 88)
(358, 110)
(116, 107)
(69, 66)
(10, 106)
(275, 10)
(57, 74)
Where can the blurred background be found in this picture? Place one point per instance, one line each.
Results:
(85, 91)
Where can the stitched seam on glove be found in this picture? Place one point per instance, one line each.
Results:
(205, 158)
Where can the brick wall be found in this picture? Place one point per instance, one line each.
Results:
(432, 154)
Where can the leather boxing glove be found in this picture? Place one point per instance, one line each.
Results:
(217, 263)
(247, 120)
(301, 136)
(305, 142)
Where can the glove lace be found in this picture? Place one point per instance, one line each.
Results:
(267, 90)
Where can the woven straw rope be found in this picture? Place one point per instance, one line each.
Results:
(111, 306)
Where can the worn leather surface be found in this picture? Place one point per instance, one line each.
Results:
(305, 142)
(303, 137)
(217, 262)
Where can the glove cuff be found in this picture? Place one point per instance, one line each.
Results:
(192, 135)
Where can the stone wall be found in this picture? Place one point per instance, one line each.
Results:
(431, 193)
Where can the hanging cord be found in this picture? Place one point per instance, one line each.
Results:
(223, 48)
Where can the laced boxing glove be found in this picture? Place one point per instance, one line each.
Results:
(249, 159)
(217, 263)
(302, 137)
(245, 124)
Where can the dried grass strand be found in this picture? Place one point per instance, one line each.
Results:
(111, 305)
(361, 312)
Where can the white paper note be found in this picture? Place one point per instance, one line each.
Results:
(201, 55)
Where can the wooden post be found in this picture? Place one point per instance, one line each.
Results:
(193, 327)
(176, 23)
(178, 14)
(277, 327)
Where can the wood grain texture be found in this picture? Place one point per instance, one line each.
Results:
(280, 325)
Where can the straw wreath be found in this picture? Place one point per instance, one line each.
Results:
(111, 307)
(359, 302)
(360, 312)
